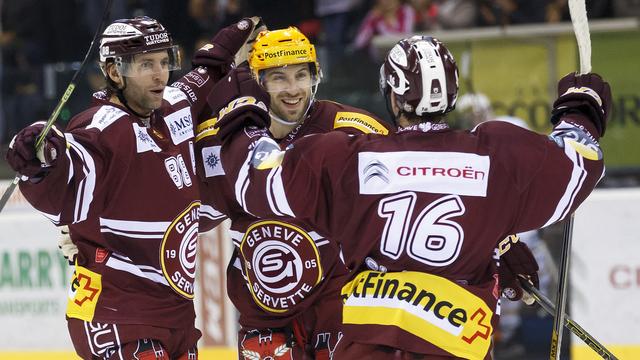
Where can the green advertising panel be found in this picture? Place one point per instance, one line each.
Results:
(519, 75)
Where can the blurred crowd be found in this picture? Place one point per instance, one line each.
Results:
(42, 39)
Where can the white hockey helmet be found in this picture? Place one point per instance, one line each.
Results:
(422, 74)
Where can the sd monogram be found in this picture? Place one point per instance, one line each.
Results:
(281, 262)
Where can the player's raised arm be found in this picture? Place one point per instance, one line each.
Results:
(567, 164)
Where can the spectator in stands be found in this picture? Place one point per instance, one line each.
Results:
(445, 14)
(334, 16)
(387, 17)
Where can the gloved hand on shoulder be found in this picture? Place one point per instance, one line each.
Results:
(239, 101)
(230, 44)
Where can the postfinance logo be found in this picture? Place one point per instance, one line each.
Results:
(425, 305)
(358, 121)
(283, 52)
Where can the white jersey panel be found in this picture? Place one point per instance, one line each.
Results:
(430, 172)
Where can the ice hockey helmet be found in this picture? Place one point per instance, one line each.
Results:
(422, 74)
(282, 47)
(127, 37)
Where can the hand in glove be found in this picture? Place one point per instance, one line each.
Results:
(239, 101)
(516, 259)
(23, 157)
(588, 94)
(230, 44)
(67, 247)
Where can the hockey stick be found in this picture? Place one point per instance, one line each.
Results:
(578, 11)
(573, 326)
(65, 97)
(561, 295)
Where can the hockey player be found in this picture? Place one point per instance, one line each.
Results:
(417, 214)
(122, 177)
(279, 291)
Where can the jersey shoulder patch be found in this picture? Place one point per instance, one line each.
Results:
(173, 95)
(359, 121)
(105, 116)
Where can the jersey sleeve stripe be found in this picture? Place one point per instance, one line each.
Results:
(242, 184)
(86, 187)
(52, 217)
(118, 264)
(67, 153)
(268, 189)
(210, 212)
(132, 234)
(578, 175)
(236, 237)
(276, 194)
(138, 226)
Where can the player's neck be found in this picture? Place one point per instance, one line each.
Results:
(402, 121)
(279, 130)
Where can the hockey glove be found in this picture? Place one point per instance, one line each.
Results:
(239, 101)
(22, 155)
(230, 44)
(589, 94)
(516, 259)
(67, 247)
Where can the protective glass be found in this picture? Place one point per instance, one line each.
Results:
(146, 64)
(289, 78)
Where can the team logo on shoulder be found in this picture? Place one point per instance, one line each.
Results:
(178, 251)
(281, 262)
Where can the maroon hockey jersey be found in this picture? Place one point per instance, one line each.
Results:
(271, 285)
(419, 213)
(130, 197)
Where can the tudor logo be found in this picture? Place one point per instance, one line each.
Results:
(156, 38)
(376, 170)
(282, 264)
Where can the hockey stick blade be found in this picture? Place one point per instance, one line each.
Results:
(63, 100)
(573, 326)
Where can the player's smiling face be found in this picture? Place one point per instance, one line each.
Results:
(290, 90)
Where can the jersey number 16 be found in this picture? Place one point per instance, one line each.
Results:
(432, 238)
